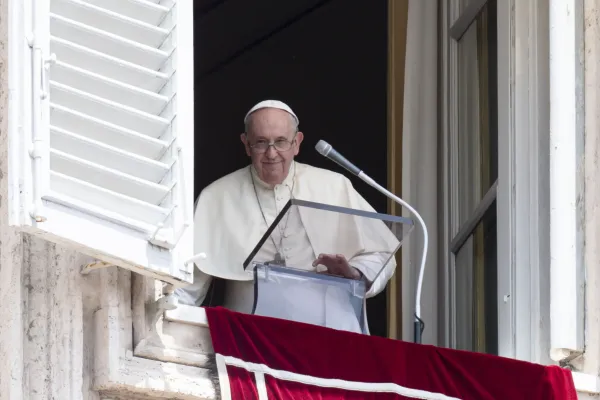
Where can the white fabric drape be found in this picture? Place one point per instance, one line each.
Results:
(420, 164)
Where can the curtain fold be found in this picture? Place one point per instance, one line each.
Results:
(420, 164)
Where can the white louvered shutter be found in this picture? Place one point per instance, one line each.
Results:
(113, 131)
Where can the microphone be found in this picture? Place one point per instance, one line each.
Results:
(328, 151)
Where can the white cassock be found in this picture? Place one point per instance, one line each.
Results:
(229, 224)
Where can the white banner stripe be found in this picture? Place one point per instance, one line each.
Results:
(223, 377)
(336, 383)
(261, 386)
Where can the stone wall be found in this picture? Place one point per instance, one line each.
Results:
(43, 342)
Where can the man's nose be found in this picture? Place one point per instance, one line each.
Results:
(271, 152)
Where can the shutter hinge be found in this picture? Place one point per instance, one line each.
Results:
(46, 63)
(30, 39)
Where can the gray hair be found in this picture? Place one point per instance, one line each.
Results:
(293, 120)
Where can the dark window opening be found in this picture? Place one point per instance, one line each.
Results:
(327, 59)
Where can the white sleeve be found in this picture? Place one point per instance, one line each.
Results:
(369, 264)
(194, 294)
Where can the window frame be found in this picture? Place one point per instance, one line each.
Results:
(461, 231)
(521, 197)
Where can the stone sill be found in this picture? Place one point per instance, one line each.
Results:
(187, 315)
(586, 383)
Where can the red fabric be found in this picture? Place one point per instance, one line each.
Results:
(326, 353)
(242, 384)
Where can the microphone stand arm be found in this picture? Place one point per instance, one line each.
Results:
(418, 323)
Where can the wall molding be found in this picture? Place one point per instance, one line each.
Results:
(119, 371)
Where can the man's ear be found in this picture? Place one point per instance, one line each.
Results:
(299, 139)
(244, 139)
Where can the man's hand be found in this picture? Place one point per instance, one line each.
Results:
(337, 264)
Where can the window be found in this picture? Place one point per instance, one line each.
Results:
(473, 175)
(104, 158)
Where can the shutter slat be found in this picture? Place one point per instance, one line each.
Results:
(107, 178)
(105, 165)
(121, 25)
(122, 206)
(106, 132)
(143, 10)
(94, 106)
(112, 110)
(165, 3)
(108, 66)
(108, 89)
(108, 156)
(108, 43)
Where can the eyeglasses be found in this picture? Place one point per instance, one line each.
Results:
(261, 145)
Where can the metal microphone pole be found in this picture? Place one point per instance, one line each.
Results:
(326, 150)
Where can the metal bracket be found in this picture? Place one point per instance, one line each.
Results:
(35, 151)
(161, 240)
(34, 215)
(194, 258)
(86, 269)
(46, 64)
(191, 260)
(167, 241)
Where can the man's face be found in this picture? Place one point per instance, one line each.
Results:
(271, 126)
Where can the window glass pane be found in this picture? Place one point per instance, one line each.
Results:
(477, 110)
(475, 288)
(463, 289)
(462, 4)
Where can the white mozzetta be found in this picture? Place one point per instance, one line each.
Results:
(108, 167)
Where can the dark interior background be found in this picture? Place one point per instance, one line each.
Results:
(327, 59)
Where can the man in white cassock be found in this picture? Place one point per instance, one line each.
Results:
(233, 213)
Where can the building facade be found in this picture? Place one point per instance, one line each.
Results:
(493, 126)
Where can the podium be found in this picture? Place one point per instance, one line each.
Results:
(288, 286)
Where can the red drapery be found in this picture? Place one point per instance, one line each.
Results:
(265, 358)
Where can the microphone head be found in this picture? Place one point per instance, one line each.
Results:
(323, 147)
